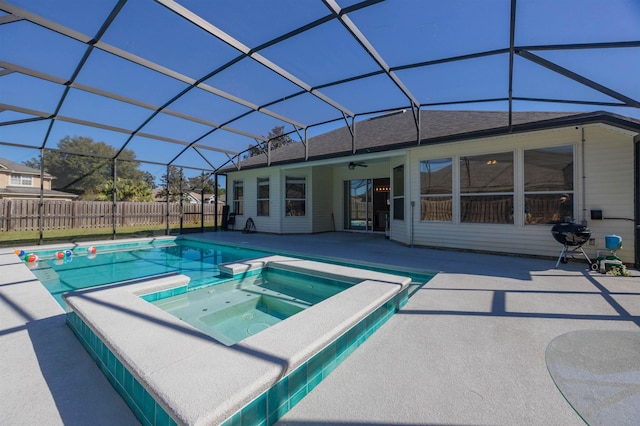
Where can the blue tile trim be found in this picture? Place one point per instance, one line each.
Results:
(268, 407)
(141, 402)
(152, 297)
(273, 404)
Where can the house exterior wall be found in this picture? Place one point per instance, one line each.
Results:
(609, 158)
(5, 180)
(608, 185)
(322, 178)
(603, 179)
(271, 223)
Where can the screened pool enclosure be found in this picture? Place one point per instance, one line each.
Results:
(122, 115)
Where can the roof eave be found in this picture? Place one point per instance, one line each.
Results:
(566, 121)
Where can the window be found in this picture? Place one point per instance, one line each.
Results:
(263, 197)
(486, 188)
(238, 197)
(21, 180)
(398, 192)
(548, 185)
(295, 196)
(436, 189)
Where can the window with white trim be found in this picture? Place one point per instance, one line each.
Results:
(486, 188)
(238, 197)
(21, 180)
(295, 196)
(263, 197)
(548, 185)
(436, 190)
(398, 192)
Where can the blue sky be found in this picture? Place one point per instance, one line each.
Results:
(401, 31)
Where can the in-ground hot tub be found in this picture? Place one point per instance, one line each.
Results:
(238, 308)
(170, 372)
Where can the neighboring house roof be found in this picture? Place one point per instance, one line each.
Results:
(196, 196)
(12, 167)
(18, 191)
(398, 130)
(156, 193)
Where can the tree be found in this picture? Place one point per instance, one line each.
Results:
(276, 136)
(126, 190)
(149, 179)
(85, 167)
(178, 185)
(203, 183)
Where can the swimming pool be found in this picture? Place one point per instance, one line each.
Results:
(162, 366)
(112, 263)
(234, 310)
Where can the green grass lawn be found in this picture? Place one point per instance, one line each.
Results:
(27, 238)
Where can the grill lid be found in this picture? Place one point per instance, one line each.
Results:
(570, 234)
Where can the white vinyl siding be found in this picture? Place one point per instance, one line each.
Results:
(609, 177)
(609, 156)
(266, 224)
(608, 159)
(322, 182)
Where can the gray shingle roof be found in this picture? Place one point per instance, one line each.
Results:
(396, 130)
(19, 168)
(34, 192)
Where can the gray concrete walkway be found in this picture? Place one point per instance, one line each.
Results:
(46, 376)
(468, 348)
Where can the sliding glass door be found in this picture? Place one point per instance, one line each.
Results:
(358, 204)
(366, 203)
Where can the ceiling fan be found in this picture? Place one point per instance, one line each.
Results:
(354, 164)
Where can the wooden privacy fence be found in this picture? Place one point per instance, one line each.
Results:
(22, 215)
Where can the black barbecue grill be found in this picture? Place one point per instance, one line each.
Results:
(572, 236)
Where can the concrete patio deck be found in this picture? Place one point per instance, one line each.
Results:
(467, 349)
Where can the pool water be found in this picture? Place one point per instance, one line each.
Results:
(232, 311)
(195, 259)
